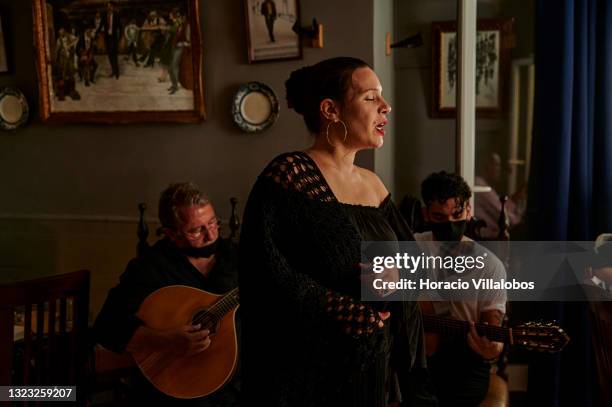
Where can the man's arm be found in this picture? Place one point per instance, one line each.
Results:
(493, 307)
(432, 340)
(187, 340)
(117, 327)
(604, 273)
(481, 344)
(117, 322)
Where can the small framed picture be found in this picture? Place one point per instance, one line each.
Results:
(123, 61)
(494, 41)
(270, 30)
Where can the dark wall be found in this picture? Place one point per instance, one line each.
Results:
(107, 170)
(69, 192)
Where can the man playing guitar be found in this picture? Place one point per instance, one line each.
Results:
(459, 367)
(191, 254)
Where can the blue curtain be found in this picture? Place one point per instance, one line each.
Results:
(570, 191)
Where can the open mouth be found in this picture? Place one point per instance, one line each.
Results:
(381, 128)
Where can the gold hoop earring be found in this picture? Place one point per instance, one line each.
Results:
(327, 132)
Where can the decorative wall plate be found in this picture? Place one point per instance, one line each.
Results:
(255, 107)
(13, 108)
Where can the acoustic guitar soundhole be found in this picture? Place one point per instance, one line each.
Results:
(207, 319)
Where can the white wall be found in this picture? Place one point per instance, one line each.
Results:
(384, 158)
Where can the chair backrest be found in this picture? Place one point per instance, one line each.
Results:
(44, 330)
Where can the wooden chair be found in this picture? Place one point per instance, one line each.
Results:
(498, 395)
(44, 331)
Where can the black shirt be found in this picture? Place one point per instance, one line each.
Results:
(161, 266)
(297, 243)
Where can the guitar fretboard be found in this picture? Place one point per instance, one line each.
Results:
(225, 304)
(453, 328)
(218, 310)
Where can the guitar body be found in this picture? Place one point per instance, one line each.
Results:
(194, 376)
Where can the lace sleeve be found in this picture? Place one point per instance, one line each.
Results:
(297, 172)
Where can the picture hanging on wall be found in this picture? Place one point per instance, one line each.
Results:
(119, 62)
(3, 59)
(494, 41)
(270, 30)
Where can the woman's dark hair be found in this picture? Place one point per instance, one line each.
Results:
(441, 186)
(308, 86)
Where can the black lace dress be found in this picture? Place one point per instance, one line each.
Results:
(298, 243)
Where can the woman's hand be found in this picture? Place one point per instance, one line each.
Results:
(388, 275)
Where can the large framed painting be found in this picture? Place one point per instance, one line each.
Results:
(271, 29)
(494, 41)
(122, 61)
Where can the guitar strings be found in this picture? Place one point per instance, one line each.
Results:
(210, 316)
(458, 326)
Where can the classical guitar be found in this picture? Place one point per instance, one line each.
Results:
(206, 372)
(538, 336)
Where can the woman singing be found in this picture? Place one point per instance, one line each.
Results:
(308, 340)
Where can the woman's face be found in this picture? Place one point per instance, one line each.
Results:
(365, 111)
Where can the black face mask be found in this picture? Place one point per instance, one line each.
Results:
(205, 251)
(448, 231)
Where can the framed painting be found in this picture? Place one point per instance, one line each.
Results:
(131, 61)
(272, 32)
(4, 66)
(494, 41)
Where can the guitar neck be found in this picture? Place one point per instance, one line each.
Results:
(225, 304)
(455, 328)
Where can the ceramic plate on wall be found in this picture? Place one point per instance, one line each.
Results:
(255, 107)
(13, 108)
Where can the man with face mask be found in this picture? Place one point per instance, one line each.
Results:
(459, 368)
(191, 254)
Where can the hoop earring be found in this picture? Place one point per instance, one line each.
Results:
(327, 132)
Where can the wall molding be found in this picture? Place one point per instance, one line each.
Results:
(75, 218)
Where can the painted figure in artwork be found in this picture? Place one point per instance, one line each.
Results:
(268, 10)
(87, 62)
(65, 51)
(180, 41)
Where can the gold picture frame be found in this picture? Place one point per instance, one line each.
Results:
(112, 62)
